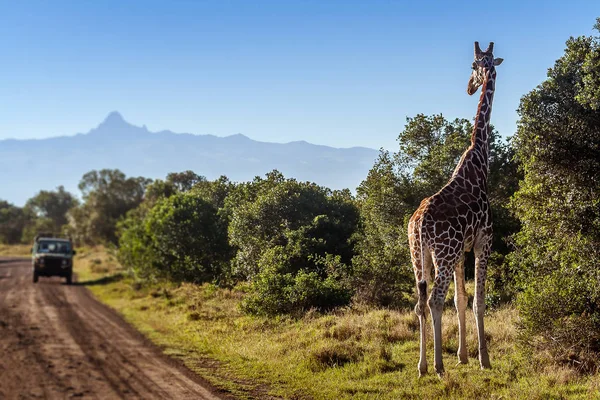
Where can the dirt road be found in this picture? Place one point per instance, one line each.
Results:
(57, 342)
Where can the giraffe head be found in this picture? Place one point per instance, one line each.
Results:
(484, 61)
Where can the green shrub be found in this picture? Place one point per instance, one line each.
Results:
(188, 241)
(180, 238)
(561, 315)
(305, 218)
(277, 290)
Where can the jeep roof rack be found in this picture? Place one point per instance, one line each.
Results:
(51, 235)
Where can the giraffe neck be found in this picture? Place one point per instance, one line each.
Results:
(481, 129)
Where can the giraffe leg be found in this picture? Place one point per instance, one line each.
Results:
(436, 306)
(420, 311)
(460, 300)
(422, 263)
(482, 253)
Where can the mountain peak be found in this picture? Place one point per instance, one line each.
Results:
(114, 125)
(114, 118)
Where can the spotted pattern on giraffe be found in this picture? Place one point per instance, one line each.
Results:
(453, 221)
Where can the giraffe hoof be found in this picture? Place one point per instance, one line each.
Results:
(485, 362)
(461, 362)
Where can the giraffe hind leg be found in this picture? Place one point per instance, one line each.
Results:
(482, 253)
(444, 268)
(422, 275)
(460, 300)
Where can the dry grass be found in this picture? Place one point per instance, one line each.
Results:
(96, 262)
(15, 250)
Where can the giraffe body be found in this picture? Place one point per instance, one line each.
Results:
(454, 220)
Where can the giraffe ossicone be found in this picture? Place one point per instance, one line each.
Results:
(453, 221)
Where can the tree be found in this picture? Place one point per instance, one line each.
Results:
(292, 242)
(429, 149)
(185, 180)
(145, 230)
(381, 269)
(305, 217)
(187, 241)
(12, 223)
(107, 195)
(215, 192)
(558, 247)
(157, 191)
(52, 206)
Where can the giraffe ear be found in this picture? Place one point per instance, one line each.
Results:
(498, 61)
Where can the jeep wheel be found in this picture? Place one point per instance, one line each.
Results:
(35, 277)
(69, 279)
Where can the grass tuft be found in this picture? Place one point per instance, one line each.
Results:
(334, 354)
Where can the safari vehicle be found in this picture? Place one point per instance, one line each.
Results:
(52, 256)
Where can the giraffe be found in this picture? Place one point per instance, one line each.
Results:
(455, 220)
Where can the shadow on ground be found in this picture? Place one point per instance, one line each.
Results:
(100, 281)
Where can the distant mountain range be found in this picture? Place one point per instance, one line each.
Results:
(28, 166)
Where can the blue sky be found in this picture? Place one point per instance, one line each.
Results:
(339, 73)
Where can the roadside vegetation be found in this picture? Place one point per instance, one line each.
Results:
(15, 250)
(308, 292)
(350, 353)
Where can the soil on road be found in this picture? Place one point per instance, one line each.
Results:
(57, 342)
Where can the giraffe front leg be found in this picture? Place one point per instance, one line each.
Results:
(460, 300)
(479, 304)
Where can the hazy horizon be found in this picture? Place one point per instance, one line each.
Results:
(136, 124)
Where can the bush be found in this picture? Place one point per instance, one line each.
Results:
(305, 218)
(187, 239)
(560, 315)
(135, 246)
(277, 290)
(179, 238)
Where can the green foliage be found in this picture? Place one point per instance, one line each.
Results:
(135, 244)
(278, 290)
(107, 195)
(12, 222)
(52, 205)
(47, 212)
(176, 232)
(188, 242)
(304, 218)
(558, 203)
(293, 243)
(184, 181)
(560, 315)
(158, 190)
(429, 149)
(37, 225)
(381, 269)
(215, 192)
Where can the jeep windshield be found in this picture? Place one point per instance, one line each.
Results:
(54, 247)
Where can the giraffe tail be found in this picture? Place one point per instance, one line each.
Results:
(422, 284)
(422, 288)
